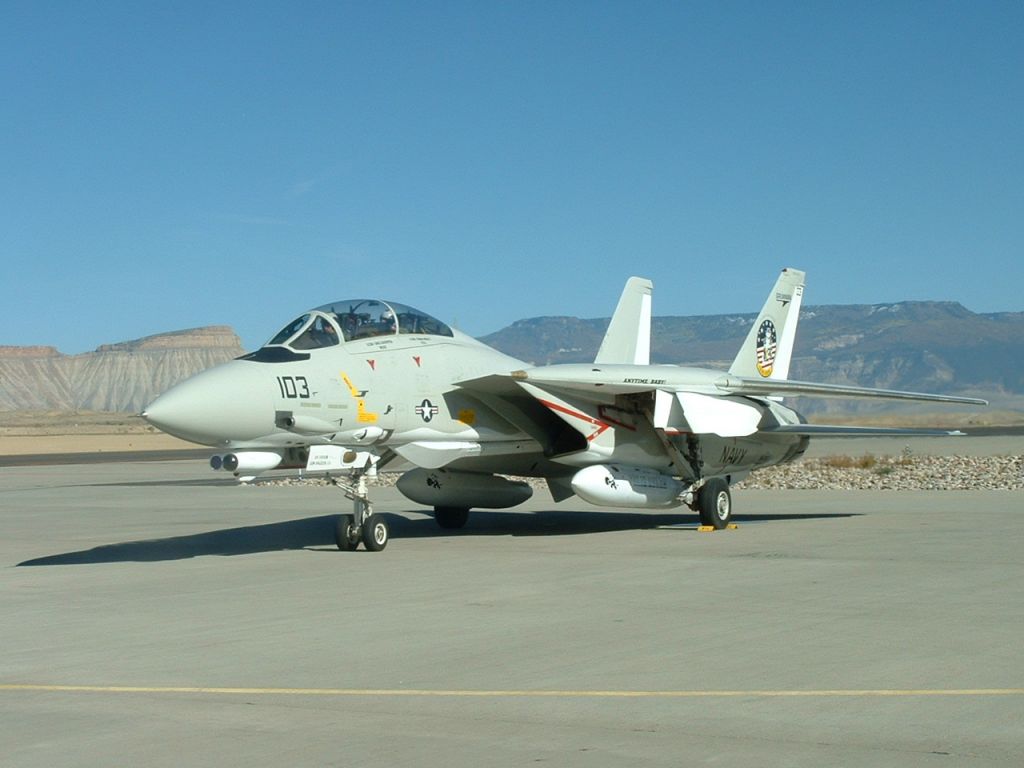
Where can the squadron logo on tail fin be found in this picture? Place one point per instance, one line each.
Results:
(767, 348)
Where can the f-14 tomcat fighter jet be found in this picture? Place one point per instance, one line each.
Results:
(354, 385)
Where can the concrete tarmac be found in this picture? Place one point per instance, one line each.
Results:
(154, 614)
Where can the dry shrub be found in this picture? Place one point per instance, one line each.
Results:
(867, 461)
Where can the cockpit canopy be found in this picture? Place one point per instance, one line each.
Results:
(353, 320)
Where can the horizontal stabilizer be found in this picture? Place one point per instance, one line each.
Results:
(767, 387)
(826, 430)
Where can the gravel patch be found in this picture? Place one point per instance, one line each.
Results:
(883, 473)
(901, 473)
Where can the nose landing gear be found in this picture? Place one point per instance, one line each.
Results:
(373, 533)
(363, 525)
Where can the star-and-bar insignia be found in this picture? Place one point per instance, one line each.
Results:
(427, 410)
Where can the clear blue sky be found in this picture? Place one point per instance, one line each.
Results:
(171, 165)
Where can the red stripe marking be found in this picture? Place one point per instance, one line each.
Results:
(601, 426)
(616, 422)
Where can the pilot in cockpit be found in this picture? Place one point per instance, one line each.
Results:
(347, 323)
(328, 336)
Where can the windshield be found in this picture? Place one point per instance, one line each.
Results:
(319, 333)
(311, 331)
(289, 330)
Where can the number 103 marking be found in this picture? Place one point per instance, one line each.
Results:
(293, 386)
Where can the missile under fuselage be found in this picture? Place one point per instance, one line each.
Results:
(611, 485)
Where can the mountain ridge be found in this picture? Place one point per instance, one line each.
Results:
(122, 377)
(938, 346)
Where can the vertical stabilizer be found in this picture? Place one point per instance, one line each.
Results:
(628, 338)
(768, 349)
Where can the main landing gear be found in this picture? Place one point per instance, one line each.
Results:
(363, 525)
(714, 503)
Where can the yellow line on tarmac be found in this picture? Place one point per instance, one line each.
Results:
(539, 694)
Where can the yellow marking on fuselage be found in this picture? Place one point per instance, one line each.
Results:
(363, 416)
(351, 387)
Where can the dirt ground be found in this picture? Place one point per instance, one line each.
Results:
(41, 432)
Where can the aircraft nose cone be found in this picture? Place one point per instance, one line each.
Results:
(173, 411)
(226, 403)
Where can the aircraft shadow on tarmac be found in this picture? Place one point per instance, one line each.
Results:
(317, 533)
(219, 481)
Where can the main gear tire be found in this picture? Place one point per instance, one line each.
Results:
(346, 536)
(375, 533)
(714, 503)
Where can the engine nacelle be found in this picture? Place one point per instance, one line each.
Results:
(452, 488)
(247, 461)
(615, 485)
